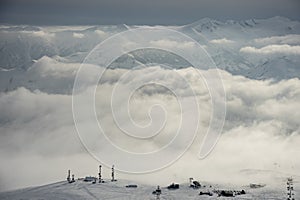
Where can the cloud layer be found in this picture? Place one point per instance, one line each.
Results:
(261, 128)
(291, 39)
(273, 49)
(37, 130)
(222, 41)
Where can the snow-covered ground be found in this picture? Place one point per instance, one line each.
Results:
(117, 190)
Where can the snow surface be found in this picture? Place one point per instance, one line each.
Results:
(117, 190)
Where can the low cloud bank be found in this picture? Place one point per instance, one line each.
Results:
(222, 41)
(273, 49)
(261, 129)
(291, 39)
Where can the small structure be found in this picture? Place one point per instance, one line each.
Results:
(239, 192)
(131, 186)
(227, 193)
(206, 193)
(256, 185)
(89, 179)
(157, 191)
(194, 184)
(173, 186)
(73, 179)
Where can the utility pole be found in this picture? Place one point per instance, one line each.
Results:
(158, 193)
(73, 179)
(290, 189)
(100, 176)
(69, 176)
(113, 174)
(191, 182)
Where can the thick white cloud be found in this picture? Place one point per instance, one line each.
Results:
(292, 39)
(41, 33)
(273, 49)
(100, 33)
(261, 127)
(222, 41)
(171, 44)
(78, 35)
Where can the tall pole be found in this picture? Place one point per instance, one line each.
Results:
(158, 193)
(290, 189)
(73, 178)
(100, 177)
(113, 173)
(69, 176)
(191, 181)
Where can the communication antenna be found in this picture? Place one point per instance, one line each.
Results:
(191, 181)
(69, 176)
(113, 173)
(100, 176)
(290, 189)
(158, 193)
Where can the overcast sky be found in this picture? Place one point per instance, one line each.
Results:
(141, 11)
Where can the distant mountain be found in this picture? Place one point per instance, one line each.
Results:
(256, 48)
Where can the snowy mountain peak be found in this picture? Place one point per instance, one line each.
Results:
(279, 18)
(205, 24)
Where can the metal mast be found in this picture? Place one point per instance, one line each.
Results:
(290, 189)
(69, 176)
(113, 173)
(100, 176)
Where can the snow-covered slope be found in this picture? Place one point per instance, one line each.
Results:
(225, 40)
(117, 190)
(228, 44)
(21, 45)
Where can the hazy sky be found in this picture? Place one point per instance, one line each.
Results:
(140, 11)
